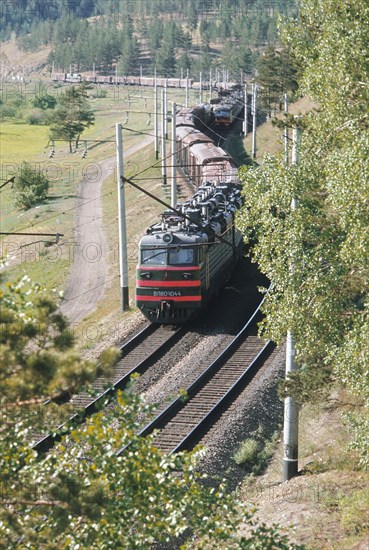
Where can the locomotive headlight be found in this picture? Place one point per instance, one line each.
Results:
(187, 275)
(167, 238)
(146, 274)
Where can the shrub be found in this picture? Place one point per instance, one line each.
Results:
(247, 452)
(255, 452)
(7, 112)
(354, 511)
(37, 117)
(31, 187)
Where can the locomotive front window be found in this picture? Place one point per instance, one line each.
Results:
(181, 256)
(156, 256)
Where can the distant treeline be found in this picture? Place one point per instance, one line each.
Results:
(171, 35)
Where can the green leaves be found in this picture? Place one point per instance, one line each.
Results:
(72, 115)
(318, 255)
(30, 187)
(82, 495)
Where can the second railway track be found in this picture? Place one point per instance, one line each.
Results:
(183, 423)
(137, 355)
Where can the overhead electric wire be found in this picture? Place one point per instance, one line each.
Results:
(156, 164)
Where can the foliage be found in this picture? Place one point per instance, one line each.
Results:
(318, 255)
(355, 511)
(72, 115)
(127, 32)
(36, 347)
(247, 451)
(276, 74)
(44, 101)
(255, 452)
(30, 187)
(102, 481)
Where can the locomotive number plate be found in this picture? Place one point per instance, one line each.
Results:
(167, 293)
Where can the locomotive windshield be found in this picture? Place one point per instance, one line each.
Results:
(156, 256)
(167, 256)
(181, 256)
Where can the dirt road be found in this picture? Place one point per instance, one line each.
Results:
(89, 275)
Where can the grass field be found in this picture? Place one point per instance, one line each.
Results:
(19, 142)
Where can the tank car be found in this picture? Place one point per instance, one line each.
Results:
(186, 258)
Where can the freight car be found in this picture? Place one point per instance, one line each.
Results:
(123, 80)
(186, 258)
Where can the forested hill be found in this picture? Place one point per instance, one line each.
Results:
(171, 35)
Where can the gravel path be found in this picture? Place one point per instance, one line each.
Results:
(88, 276)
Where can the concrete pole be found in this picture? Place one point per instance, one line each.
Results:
(200, 87)
(174, 156)
(163, 143)
(156, 125)
(245, 109)
(290, 426)
(210, 85)
(285, 136)
(166, 111)
(253, 112)
(187, 92)
(123, 257)
(291, 413)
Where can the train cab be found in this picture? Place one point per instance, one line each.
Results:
(168, 286)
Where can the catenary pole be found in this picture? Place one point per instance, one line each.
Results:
(163, 143)
(166, 110)
(123, 257)
(174, 156)
(254, 121)
(245, 109)
(291, 413)
(156, 125)
(285, 136)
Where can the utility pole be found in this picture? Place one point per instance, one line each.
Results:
(285, 135)
(200, 87)
(174, 156)
(245, 109)
(187, 90)
(123, 256)
(210, 85)
(165, 111)
(253, 112)
(156, 126)
(291, 413)
(163, 144)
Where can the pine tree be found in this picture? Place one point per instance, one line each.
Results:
(72, 115)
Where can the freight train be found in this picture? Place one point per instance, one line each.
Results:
(188, 256)
(138, 81)
(227, 109)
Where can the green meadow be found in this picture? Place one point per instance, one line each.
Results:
(20, 141)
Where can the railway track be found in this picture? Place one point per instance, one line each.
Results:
(137, 355)
(183, 423)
